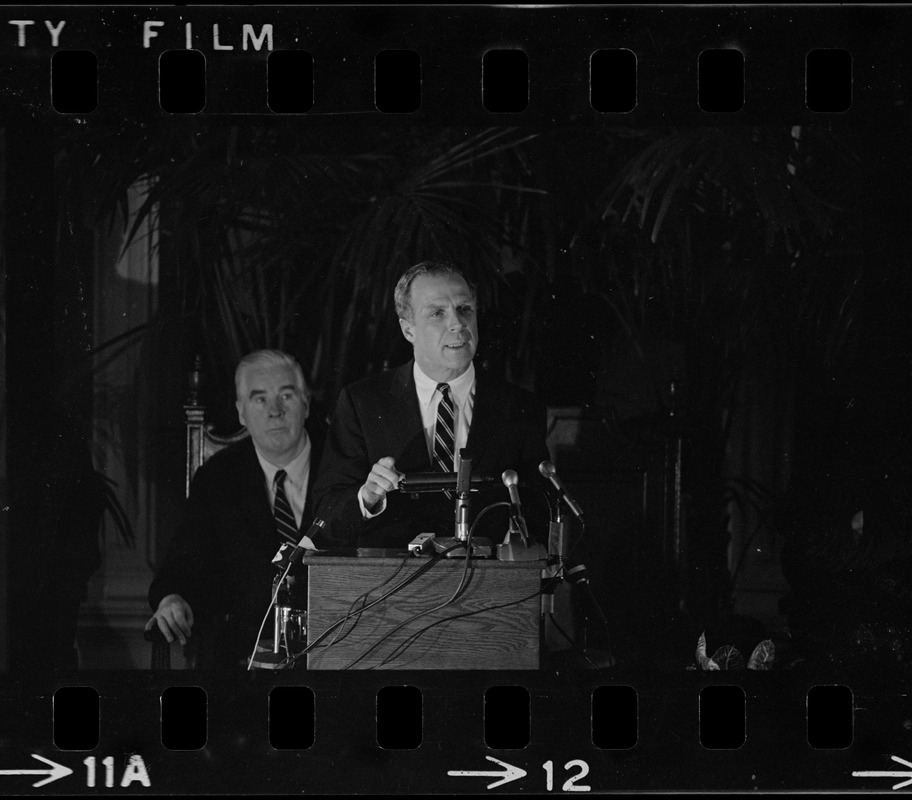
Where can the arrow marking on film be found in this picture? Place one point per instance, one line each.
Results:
(876, 773)
(509, 773)
(55, 772)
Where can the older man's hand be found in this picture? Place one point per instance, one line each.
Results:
(174, 618)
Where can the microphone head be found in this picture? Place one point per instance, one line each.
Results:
(546, 468)
(510, 478)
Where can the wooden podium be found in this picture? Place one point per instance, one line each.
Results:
(493, 624)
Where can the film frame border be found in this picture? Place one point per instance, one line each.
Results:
(550, 104)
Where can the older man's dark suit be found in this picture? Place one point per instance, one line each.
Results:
(379, 416)
(219, 559)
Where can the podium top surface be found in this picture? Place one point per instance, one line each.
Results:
(317, 560)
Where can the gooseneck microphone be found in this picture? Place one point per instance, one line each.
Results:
(283, 561)
(547, 469)
(511, 481)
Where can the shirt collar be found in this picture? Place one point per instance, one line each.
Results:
(296, 470)
(459, 387)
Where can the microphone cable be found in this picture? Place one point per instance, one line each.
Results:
(402, 584)
(459, 589)
(580, 537)
(412, 637)
(363, 597)
(272, 602)
(583, 582)
(573, 644)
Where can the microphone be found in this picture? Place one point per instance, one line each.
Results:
(463, 487)
(285, 560)
(547, 469)
(439, 481)
(511, 481)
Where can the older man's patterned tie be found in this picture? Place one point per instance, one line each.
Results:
(284, 516)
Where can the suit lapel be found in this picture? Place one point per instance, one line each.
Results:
(485, 418)
(317, 434)
(250, 484)
(406, 429)
(406, 426)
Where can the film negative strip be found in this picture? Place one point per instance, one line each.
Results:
(642, 185)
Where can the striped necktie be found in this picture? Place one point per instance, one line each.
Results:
(444, 437)
(284, 516)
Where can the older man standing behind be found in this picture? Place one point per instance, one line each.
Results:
(417, 417)
(244, 503)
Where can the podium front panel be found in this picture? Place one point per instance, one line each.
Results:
(494, 622)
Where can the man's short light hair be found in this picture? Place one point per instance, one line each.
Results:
(269, 358)
(403, 293)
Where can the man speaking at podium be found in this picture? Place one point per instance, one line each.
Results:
(418, 417)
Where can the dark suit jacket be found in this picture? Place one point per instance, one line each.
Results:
(219, 558)
(379, 416)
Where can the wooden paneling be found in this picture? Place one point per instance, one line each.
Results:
(493, 624)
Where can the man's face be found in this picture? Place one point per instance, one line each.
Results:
(444, 325)
(273, 409)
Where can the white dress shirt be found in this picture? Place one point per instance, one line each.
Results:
(462, 393)
(297, 477)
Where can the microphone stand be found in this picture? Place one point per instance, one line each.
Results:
(516, 546)
(557, 540)
(262, 657)
(584, 603)
(481, 547)
(288, 622)
(581, 594)
(552, 573)
(282, 613)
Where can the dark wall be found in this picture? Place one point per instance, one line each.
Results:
(54, 499)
